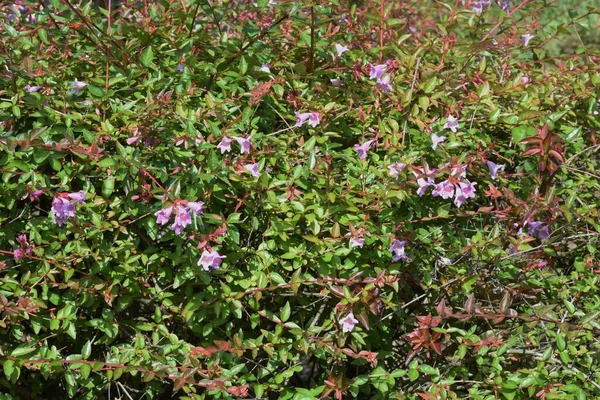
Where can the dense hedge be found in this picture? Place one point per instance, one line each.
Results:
(299, 200)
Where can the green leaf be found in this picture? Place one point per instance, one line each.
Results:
(147, 57)
(285, 312)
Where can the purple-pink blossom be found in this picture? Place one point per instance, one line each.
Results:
(451, 123)
(182, 214)
(362, 149)
(348, 323)
(396, 168)
(340, 49)
(182, 219)
(253, 169)
(436, 140)
(313, 118)
(425, 178)
(443, 189)
(397, 250)
(79, 197)
(18, 254)
(494, 168)
(539, 230)
(377, 71)
(384, 83)
(210, 260)
(32, 89)
(77, 86)
(459, 171)
(163, 216)
(463, 191)
(63, 206)
(225, 145)
(196, 206)
(357, 241)
(244, 144)
(526, 38)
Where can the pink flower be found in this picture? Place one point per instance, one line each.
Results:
(18, 254)
(133, 139)
(32, 89)
(163, 216)
(477, 7)
(436, 140)
(210, 259)
(337, 82)
(396, 168)
(79, 197)
(397, 250)
(244, 144)
(341, 49)
(526, 38)
(225, 145)
(459, 171)
(357, 242)
(422, 173)
(451, 123)
(62, 210)
(348, 323)
(467, 189)
(444, 189)
(494, 168)
(423, 185)
(464, 191)
(459, 199)
(525, 79)
(253, 169)
(384, 83)
(377, 71)
(182, 219)
(196, 206)
(23, 240)
(302, 118)
(313, 118)
(363, 148)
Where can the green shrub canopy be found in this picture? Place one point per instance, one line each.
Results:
(299, 200)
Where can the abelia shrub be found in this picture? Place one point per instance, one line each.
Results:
(299, 200)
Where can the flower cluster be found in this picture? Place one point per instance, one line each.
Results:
(377, 72)
(182, 214)
(210, 260)
(63, 206)
(24, 249)
(313, 118)
(539, 230)
(225, 145)
(457, 185)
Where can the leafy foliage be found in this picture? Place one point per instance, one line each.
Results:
(298, 200)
